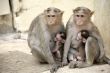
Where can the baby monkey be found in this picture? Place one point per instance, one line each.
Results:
(79, 53)
(82, 37)
(59, 43)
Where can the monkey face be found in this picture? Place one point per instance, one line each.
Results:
(82, 15)
(53, 15)
(80, 18)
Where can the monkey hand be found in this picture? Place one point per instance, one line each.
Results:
(54, 68)
(55, 50)
(64, 63)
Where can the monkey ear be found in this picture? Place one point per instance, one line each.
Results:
(92, 12)
(45, 11)
(61, 13)
(74, 10)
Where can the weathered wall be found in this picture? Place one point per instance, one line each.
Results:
(4, 7)
(5, 21)
(6, 16)
(102, 20)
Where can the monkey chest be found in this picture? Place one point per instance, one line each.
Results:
(75, 43)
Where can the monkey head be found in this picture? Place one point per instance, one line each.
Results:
(60, 36)
(82, 15)
(53, 16)
(83, 35)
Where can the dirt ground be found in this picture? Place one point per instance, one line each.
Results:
(15, 57)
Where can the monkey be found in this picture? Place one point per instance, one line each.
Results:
(59, 42)
(79, 53)
(94, 46)
(41, 34)
(83, 35)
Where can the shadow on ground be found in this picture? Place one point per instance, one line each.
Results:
(19, 62)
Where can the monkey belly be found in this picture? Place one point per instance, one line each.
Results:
(75, 43)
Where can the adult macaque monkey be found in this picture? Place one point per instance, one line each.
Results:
(42, 32)
(94, 47)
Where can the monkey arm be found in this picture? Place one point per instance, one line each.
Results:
(57, 47)
(69, 33)
(33, 40)
(67, 46)
(97, 34)
(45, 37)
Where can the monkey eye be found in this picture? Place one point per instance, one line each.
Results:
(55, 11)
(78, 15)
(82, 15)
(48, 10)
(48, 15)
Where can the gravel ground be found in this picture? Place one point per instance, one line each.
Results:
(15, 57)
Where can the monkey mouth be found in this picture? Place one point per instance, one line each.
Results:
(79, 23)
(51, 23)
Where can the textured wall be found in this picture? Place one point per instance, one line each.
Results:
(4, 7)
(5, 15)
(6, 24)
(5, 21)
(102, 20)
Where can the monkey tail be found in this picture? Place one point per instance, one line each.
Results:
(106, 60)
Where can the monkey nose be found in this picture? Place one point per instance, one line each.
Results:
(53, 15)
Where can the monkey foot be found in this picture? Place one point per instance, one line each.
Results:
(81, 64)
(54, 68)
(64, 63)
(72, 64)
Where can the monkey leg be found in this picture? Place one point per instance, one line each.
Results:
(82, 53)
(72, 54)
(38, 55)
(58, 54)
(56, 65)
(91, 51)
